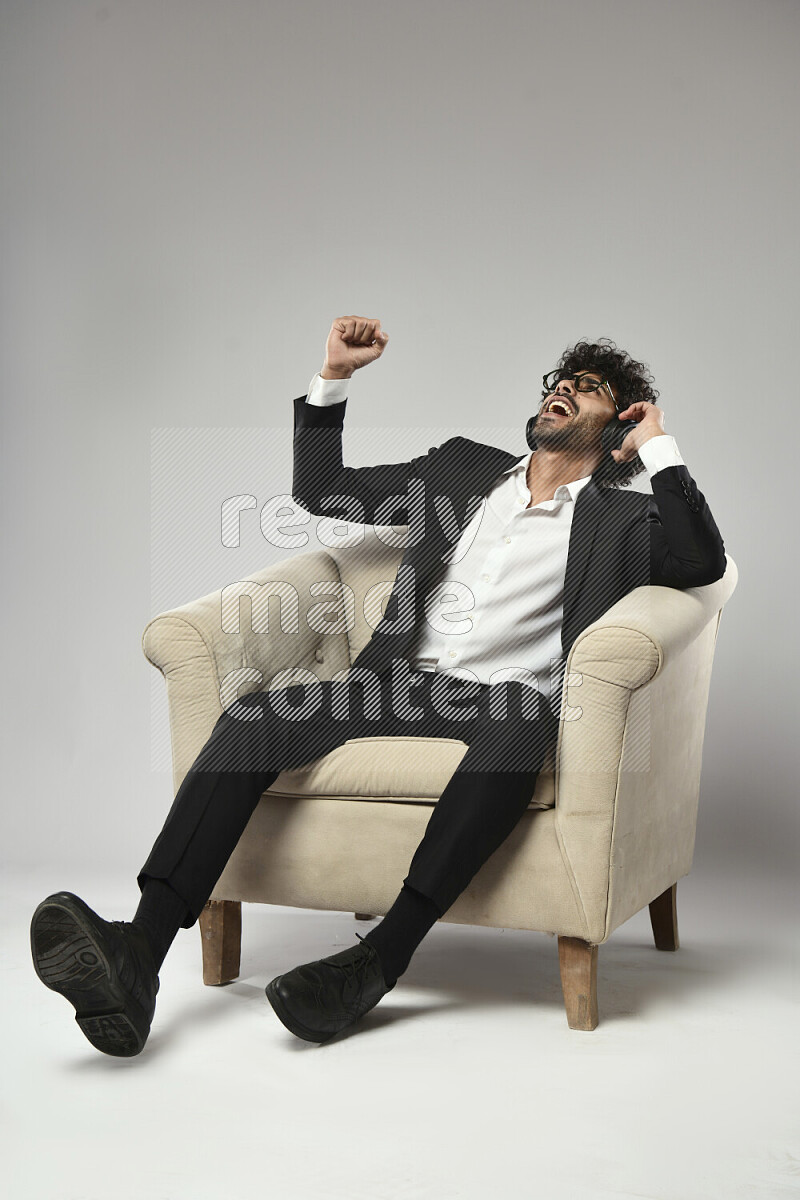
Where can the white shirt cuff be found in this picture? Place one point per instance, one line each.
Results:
(324, 392)
(659, 452)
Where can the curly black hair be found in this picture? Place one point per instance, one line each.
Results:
(632, 380)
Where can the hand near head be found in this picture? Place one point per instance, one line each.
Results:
(352, 343)
(650, 420)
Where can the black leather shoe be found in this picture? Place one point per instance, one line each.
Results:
(104, 968)
(319, 999)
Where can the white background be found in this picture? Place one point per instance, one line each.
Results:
(192, 191)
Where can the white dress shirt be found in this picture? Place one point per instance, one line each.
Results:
(499, 606)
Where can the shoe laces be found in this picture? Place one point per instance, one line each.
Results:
(350, 967)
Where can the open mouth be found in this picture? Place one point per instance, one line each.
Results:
(559, 407)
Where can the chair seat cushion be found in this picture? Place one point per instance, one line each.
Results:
(395, 768)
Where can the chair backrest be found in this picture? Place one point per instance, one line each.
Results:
(368, 568)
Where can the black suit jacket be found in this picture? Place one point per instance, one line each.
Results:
(619, 539)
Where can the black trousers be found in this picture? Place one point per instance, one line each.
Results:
(508, 728)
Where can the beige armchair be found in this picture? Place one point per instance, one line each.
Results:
(610, 827)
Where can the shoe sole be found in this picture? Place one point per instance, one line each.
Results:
(291, 1022)
(69, 959)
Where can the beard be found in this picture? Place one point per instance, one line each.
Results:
(575, 435)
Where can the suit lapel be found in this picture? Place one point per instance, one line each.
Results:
(589, 509)
(464, 489)
(585, 522)
(484, 480)
(467, 491)
(481, 481)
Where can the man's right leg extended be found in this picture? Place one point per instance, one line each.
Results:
(108, 970)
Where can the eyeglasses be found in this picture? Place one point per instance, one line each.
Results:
(585, 381)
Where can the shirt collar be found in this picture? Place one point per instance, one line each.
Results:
(571, 489)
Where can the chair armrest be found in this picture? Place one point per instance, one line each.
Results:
(212, 649)
(629, 753)
(626, 648)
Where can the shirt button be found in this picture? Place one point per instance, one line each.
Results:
(507, 540)
(521, 500)
(485, 578)
(453, 653)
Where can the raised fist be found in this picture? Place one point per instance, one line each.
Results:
(352, 343)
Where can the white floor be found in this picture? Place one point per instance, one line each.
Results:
(465, 1081)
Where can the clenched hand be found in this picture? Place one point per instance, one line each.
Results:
(352, 343)
(650, 420)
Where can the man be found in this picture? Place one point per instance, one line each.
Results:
(530, 550)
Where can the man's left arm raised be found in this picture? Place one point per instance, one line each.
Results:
(686, 547)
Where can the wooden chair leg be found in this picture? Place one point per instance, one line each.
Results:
(221, 933)
(578, 962)
(364, 916)
(664, 919)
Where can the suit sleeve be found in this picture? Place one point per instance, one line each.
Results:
(324, 486)
(686, 548)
